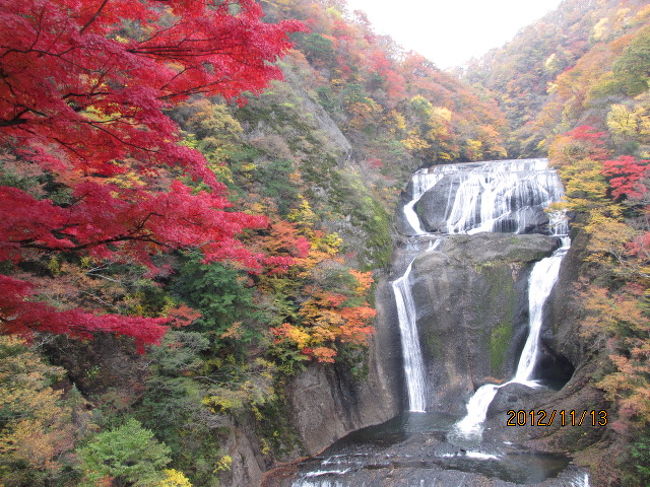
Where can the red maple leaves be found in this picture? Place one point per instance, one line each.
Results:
(627, 174)
(84, 86)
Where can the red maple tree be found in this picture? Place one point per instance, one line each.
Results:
(626, 175)
(84, 86)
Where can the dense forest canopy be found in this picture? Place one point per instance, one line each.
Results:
(196, 200)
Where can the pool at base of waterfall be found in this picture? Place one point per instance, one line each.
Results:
(418, 449)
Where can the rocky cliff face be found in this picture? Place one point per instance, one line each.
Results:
(567, 362)
(329, 402)
(471, 297)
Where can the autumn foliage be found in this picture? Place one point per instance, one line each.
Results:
(626, 174)
(84, 90)
(326, 319)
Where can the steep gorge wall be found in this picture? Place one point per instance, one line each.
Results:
(329, 402)
(325, 402)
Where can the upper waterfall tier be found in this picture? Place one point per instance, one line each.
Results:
(492, 196)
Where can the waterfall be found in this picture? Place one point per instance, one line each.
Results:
(540, 284)
(477, 409)
(413, 363)
(504, 196)
(421, 182)
(488, 196)
(496, 196)
(582, 481)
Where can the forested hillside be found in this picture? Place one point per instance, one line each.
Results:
(545, 60)
(575, 85)
(195, 200)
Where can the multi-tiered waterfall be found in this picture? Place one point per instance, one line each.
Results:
(452, 212)
(494, 196)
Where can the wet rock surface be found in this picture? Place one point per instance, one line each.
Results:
(471, 297)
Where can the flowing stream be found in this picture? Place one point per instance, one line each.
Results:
(469, 198)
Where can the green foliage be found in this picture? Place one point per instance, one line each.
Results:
(317, 48)
(631, 69)
(640, 453)
(172, 397)
(129, 454)
(274, 426)
(218, 292)
(352, 198)
(275, 179)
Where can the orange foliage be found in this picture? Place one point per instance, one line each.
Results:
(364, 281)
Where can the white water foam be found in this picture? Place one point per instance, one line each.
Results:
(540, 284)
(582, 481)
(411, 351)
(421, 182)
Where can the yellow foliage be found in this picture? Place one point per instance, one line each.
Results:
(295, 334)
(397, 122)
(421, 106)
(607, 236)
(621, 121)
(130, 179)
(551, 62)
(586, 187)
(174, 478)
(599, 29)
(474, 149)
(414, 142)
(363, 112)
(303, 216)
(642, 14)
(223, 172)
(35, 428)
(364, 281)
(224, 464)
(441, 113)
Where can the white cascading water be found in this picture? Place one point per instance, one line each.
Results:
(488, 196)
(421, 182)
(583, 481)
(493, 192)
(411, 350)
(540, 284)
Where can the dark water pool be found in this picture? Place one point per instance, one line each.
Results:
(420, 450)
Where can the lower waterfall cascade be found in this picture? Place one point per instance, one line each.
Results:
(424, 446)
(542, 278)
(413, 364)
